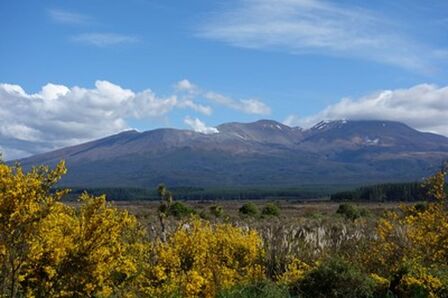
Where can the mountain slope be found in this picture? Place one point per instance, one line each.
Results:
(262, 153)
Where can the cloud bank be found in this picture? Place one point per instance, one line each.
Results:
(59, 116)
(423, 107)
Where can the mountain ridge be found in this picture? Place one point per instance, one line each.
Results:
(264, 152)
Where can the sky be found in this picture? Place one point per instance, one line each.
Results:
(74, 71)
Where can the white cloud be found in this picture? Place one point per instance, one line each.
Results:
(59, 116)
(98, 39)
(253, 106)
(292, 121)
(248, 106)
(424, 107)
(187, 103)
(317, 26)
(186, 85)
(199, 126)
(67, 17)
(104, 39)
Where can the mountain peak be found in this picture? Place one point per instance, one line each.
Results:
(261, 125)
(268, 123)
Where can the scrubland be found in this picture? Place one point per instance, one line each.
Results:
(96, 248)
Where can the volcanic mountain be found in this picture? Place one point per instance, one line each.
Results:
(262, 153)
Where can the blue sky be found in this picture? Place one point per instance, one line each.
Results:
(209, 62)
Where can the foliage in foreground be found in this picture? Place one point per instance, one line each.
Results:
(335, 278)
(49, 249)
(411, 248)
(199, 259)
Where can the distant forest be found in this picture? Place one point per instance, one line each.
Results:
(391, 192)
(378, 193)
(198, 193)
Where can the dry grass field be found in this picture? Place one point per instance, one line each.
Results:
(289, 209)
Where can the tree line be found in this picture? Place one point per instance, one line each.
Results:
(390, 192)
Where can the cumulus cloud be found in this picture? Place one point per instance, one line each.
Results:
(104, 39)
(199, 126)
(186, 85)
(59, 116)
(318, 26)
(248, 106)
(424, 107)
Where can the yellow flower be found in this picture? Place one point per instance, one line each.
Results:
(296, 270)
(380, 281)
(198, 259)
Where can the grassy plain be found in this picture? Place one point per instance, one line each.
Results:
(290, 210)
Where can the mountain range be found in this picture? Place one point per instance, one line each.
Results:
(262, 153)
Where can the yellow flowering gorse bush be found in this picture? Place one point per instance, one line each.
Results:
(48, 249)
(198, 259)
(295, 271)
(413, 243)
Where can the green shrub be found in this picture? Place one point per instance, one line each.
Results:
(271, 209)
(216, 210)
(314, 215)
(179, 210)
(349, 211)
(204, 215)
(420, 207)
(363, 212)
(261, 289)
(249, 209)
(335, 278)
